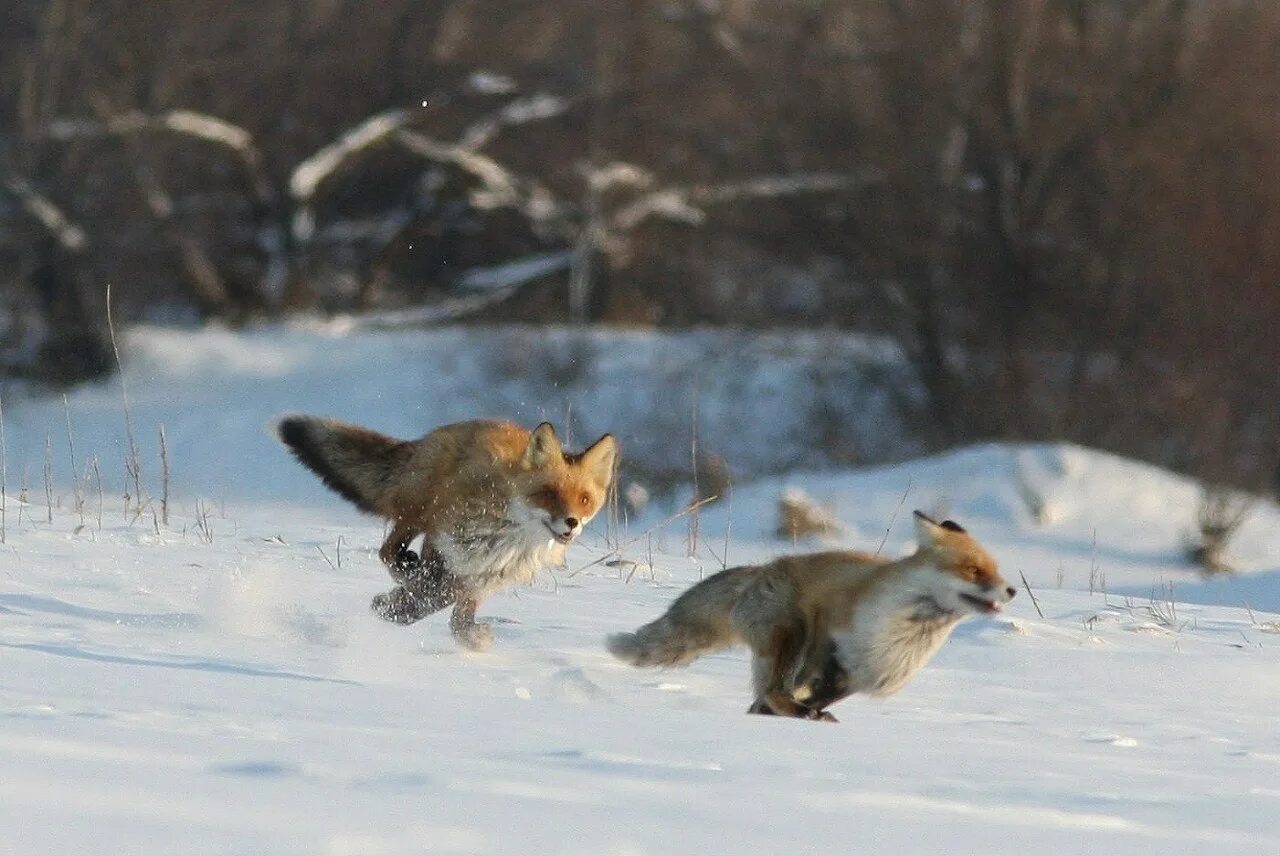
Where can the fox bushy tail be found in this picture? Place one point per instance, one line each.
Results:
(359, 464)
(699, 622)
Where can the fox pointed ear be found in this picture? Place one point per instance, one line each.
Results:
(599, 459)
(928, 530)
(543, 448)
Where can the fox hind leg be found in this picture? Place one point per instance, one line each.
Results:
(395, 551)
(400, 606)
(426, 587)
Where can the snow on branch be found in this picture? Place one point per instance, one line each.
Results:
(308, 175)
(773, 186)
(514, 273)
(518, 112)
(47, 214)
(498, 187)
(671, 204)
(490, 83)
(209, 128)
(312, 172)
(615, 175)
(685, 204)
(493, 285)
(187, 123)
(212, 129)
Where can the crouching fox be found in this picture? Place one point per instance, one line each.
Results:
(494, 502)
(823, 626)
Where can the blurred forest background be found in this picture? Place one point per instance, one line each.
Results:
(1065, 213)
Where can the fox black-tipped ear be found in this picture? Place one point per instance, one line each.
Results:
(599, 459)
(544, 446)
(928, 530)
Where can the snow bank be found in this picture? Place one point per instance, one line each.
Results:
(218, 685)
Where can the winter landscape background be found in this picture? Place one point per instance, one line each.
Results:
(815, 264)
(217, 684)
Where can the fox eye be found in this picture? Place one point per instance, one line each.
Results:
(584, 501)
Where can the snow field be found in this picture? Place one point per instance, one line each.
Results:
(219, 685)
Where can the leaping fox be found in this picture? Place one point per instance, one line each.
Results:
(494, 501)
(823, 626)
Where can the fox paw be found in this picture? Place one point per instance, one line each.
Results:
(396, 606)
(762, 707)
(474, 637)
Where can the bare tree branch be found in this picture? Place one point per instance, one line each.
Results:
(490, 286)
(69, 235)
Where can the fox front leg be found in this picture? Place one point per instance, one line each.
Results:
(769, 676)
(821, 679)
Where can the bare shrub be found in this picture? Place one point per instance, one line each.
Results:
(1219, 516)
(800, 516)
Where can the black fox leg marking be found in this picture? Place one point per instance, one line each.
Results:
(791, 709)
(773, 696)
(405, 564)
(823, 681)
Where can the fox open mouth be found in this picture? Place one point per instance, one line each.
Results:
(563, 538)
(981, 604)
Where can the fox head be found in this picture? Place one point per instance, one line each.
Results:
(966, 578)
(564, 490)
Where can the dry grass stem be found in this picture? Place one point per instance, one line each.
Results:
(133, 465)
(165, 472)
(76, 487)
(894, 518)
(24, 494)
(203, 527)
(4, 478)
(97, 479)
(691, 543)
(1031, 594)
(1095, 576)
(648, 533)
(728, 525)
(48, 477)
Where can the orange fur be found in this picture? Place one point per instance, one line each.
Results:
(492, 501)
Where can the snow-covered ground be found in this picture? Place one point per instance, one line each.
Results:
(218, 685)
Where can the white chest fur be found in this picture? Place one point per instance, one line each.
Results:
(889, 638)
(510, 554)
